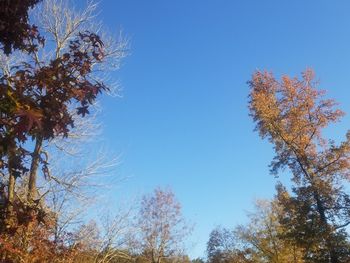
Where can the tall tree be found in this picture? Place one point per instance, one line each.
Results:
(73, 178)
(292, 113)
(162, 226)
(44, 90)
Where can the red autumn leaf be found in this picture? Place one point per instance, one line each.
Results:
(29, 118)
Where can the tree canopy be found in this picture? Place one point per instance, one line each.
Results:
(291, 114)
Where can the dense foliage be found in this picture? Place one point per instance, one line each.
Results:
(15, 30)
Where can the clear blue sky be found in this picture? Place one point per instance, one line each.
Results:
(183, 120)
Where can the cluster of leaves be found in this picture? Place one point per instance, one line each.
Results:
(15, 31)
(303, 227)
(35, 102)
(28, 238)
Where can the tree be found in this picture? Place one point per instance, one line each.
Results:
(35, 105)
(258, 241)
(261, 239)
(221, 246)
(302, 227)
(44, 91)
(74, 179)
(292, 113)
(162, 226)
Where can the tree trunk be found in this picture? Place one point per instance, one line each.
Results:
(321, 211)
(11, 189)
(32, 190)
(12, 179)
(9, 211)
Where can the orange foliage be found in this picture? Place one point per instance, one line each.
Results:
(26, 235)
(291, 114)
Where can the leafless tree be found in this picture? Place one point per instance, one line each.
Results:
(118, 235)
(109, 240)
(162, 226)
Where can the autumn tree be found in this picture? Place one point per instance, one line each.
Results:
(162, 226)
(42, 95)
(291, 114)
(35, 106)
(261, 240)
(258, 241)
